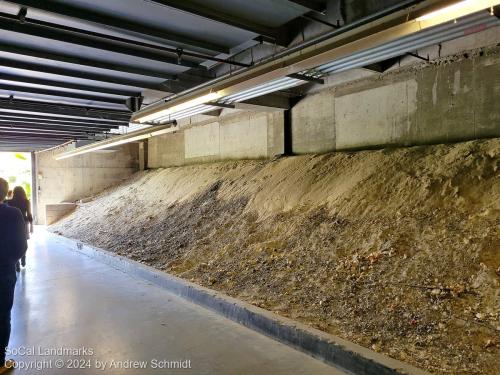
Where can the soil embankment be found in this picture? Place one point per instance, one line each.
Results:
(397, 249)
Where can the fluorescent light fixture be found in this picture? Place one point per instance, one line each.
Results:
(180, 107)
(432, 27)
(119, 140)
(458, 10)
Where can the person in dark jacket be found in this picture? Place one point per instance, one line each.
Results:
(13, 245)
(20, 201)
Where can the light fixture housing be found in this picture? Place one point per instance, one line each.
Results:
(179, 107)
(120, 140)
(457, 10)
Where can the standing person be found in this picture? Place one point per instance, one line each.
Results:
(13, 245)
(20, 201)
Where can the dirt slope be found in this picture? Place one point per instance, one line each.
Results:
(397, 250)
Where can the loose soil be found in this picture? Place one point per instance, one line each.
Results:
(394, 249)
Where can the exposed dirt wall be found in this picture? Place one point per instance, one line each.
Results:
(396, 249)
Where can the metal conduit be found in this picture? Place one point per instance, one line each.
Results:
(406, 44)
(260, 90)
(268, 84)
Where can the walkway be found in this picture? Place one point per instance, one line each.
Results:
(67, 300)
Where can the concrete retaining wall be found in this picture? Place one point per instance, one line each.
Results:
(244, 135)
(55, 212)
(81, 176)
(446, 102)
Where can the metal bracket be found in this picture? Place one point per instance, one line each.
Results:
(179, 52)
(134, 103)
(418, 56)
(22, 14)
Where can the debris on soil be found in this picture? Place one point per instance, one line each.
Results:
(395, 249)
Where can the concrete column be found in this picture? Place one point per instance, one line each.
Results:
(34, 187)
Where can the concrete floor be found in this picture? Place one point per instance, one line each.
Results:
(65, 299)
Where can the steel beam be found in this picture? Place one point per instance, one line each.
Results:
(68, 85)
(73, 73)
(316, 5)
(110, 21)
(20, 135)
(32, 28)
(26, 51)
(51, 130)
(37, 132)
(15, 116)
(41, 125)
(22, 141)
(219, 16)
(66, 110)
(63, 94)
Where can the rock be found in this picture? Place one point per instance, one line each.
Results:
(489, 343)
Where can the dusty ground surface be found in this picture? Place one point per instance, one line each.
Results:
(397, 250)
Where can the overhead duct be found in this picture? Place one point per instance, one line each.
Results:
(428, 23)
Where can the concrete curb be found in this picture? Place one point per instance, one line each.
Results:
(320, 345)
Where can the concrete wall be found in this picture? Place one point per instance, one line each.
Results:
(244, 135)
(55, 212)
(69, 180)
(452, 100)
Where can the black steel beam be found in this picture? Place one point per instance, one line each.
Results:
(43, 125)
(219, 16)
(60, 120)
(316, 5)
(82, 61)
(134, 44)
(67, 110)
(20, 135)
(44, 131)
(23, 141)
(44, 30)
(68, 85)
(76, 74)
(63, 94)
(110, 21)
(24, 130)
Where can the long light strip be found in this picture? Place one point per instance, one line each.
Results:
(244, 92)
(191, 111)
(196, 112)
(177, 108)
(268, 90)
(176, 114)
(119, 140)
(277, 85)
(458, 10)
